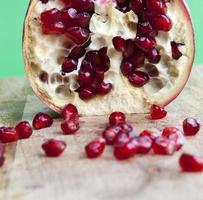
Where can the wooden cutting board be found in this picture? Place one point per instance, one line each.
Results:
(28, 175)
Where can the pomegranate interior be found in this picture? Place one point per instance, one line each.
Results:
(105, 55)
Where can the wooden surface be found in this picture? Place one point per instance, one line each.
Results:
(28, 175)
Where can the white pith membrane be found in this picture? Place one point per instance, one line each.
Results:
(43, 53)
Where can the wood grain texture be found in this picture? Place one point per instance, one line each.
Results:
(28, 175)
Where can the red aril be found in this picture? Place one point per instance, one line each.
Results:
(104, 88)
(53, 148)
(164, 146)
(95, 148)
(157, 6)
(176, 53)
(145, 43)
(119, 44)
(116, 118)
(69, 65)
(191, 163)
(191, 126)
(42, 120)
(157, 112)
(69, 112)
(127, 150)
(153, 56)
(148, 134)
(161, 23)
(24, 129)
(144, 144)
(110, 133)
(70, 127)
(8, 134)
(138, 78)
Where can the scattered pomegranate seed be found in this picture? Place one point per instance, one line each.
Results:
(42, 120)
(164, 146)
(69, 112)
(116, 118)
(191, 163)
(175, 135)
(127, 128)
(70, 127)
(148, 133)
(54, 148)
(127, 150)
(8, 134)
(2, 151)
(144, 144)
(157, 112)
(95, 148)
(86, 93)
(138, 78)
(191, 126)
(126, 67)
(110, 133)
(121, 139)
(24, 130)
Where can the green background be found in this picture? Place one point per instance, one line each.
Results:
(11, 23)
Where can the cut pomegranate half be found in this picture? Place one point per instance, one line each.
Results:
(74, 55)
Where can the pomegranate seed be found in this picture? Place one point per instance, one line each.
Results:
(56, 28)
(130, 48)
(157, 112)
(127, 150)
(191, 126)
(164, 146)
(161, 23)
(127, 128)
(69, 112)
(51, 16)
(70, 127)
(44, 1)
(110, 133)
(86, 93)
(158, 6)
(126, 67)
(94, 57)
(137, 59)
(116, 118)
(136, 5)
(85, 77)
(144, 144)
(121, 139)
(77, 52)
(24, 129)
(54, 148)
(82, 6)
(69, 65)
(176, 53)
(2, 151)
(77, 34)
(119, 43)
(8, 134)
(148, 134)
(104, 88)
(138, 78)
(95, 148)
(87, 66)
(42, 120)
(175, 135)
(191, 163)
(145, 43)
(153, 56)
(145, 29)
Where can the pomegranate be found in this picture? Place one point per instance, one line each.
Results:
(191, 126)
(95, 148)
(191, 163)
(74, 55)
(53, 148)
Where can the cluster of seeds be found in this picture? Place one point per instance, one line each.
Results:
(152, 18)
(119, 134)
